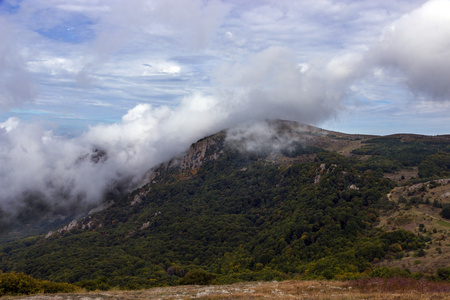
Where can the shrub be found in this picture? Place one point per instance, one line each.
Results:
(101, 283)
(444, 273)
(17, 284)
(445, 213)
(199, 276)
(389, 273)
(50, 287)
(23, 284)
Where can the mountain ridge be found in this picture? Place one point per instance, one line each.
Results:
(211, 148)
(198, 149)
(273, 200)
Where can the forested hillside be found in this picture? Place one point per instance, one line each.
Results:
(304, 211)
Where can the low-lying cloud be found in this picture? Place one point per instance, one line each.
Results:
(80, 169)
(76, 172)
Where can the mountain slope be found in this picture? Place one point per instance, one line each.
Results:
(268, 201)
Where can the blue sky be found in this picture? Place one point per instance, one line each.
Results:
(81, 63)
(143, 79)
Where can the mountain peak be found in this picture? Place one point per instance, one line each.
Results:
(274, 139)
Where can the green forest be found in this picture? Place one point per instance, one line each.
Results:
(242, 218)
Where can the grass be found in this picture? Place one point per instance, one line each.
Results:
(443, 223)
(371, 288)
(421, 217)
(400, 285)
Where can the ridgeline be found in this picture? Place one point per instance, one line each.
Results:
(289, 201)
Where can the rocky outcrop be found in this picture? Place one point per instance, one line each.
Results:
(198, 152)
(206, 149)
(68, 227)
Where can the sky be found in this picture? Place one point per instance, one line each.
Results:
(142, 80)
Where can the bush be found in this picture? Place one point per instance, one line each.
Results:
(200, 277)
(389, 273)
(50, 287)
(445, 213)
(101, 283)
(23, 284)
(17, 284)
(444, 273)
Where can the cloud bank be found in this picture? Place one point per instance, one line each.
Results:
(71, 171)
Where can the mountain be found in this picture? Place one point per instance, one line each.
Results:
(264, 201)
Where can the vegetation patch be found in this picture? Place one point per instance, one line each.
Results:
(245, 217)
(443, 223)
(400, 285)
(21, 284)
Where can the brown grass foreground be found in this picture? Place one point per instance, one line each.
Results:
(374, 288)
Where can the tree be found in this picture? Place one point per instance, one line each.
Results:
(445, 213)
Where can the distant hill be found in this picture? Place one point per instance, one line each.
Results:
(265, 201)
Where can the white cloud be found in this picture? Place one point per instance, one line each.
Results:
(418, 46)
(55, 66)
(158, 67)
(271, 85)
(15, 80)
(10, 124)
(83, 6)
(67, 172)
(344, 67)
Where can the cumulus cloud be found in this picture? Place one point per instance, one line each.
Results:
(39, 168)
(272, 84)
(417, 45)
(81, 169)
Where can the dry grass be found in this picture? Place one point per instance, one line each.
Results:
(406, 174)
(395, 288)
(412, 217)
